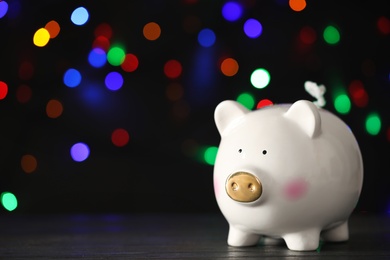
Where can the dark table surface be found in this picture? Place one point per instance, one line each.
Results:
(167, 236)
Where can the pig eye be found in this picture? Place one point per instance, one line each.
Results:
(240, 150)
(264, 152)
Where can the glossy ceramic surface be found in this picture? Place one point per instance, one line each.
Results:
(288, 171)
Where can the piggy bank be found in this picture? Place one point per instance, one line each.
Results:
(291, 172)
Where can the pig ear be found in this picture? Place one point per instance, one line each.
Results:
(226, 112)
(306, 115)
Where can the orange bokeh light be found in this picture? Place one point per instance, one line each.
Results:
(297, 5)
(53, 28)
(152, 31)
(229, 67)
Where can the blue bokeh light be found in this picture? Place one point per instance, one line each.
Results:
(97, 58)
(3, 8)
(72, 78)
(202, 80)
(231, 11)
(79, 16)
(14, 9)
(79, 152)
(253, 28)
(93, 94)
(114, 81)
(206, 37)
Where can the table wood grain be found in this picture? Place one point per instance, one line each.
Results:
(167, 236)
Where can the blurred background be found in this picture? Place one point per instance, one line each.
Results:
(108, 106)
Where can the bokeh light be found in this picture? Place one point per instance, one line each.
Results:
(14, 9)
(97, 57)
(210, 155)
(174, 91)
(206, 37)
(54, 108)
(23, 93)
(151, 31)
(28, 163)
(79, 16)
(114, 81)
(263, 103)
(103, 29)
(116, 55)
(172, 69)
(3, 8)
(331, 35)
(101, 42)
(72, 78)
(130, 63)
(26, 70)
(79, 152)
(53, 28)
(190, 66)
(93, 94)
(307, 35)
(388, 134)
(342, 104)
(297, 5)
(120, 137)
(373, 124)
(358, 94)
(9, 201)
(232, 11)
(229, 67)
(383, 24)
(247, 100)
(260, 78)
(3, 89)
(41, 37)
(253, 28)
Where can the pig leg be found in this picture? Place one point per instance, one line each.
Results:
(237, 237)
(307, 240)
(339, 233)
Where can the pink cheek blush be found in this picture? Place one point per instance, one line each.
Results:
(295, 189)
(216, 188)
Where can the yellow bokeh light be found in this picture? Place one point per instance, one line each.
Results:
(41, 37)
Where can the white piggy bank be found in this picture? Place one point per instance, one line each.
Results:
(288, 171)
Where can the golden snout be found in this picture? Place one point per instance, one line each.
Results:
(243, 187)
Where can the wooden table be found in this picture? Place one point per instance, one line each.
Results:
(167, 236)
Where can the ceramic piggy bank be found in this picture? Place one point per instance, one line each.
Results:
(291, 172)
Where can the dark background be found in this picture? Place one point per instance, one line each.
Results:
(160, 169)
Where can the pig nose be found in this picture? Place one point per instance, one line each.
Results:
(243, 187)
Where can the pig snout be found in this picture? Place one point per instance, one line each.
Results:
(243, 187)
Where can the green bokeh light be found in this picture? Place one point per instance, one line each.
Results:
(210, 154)
(260, 78)
(331, 35)
(116, 56)
(373, 124)
(247, 100)
(9, 201)
(342, 104)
